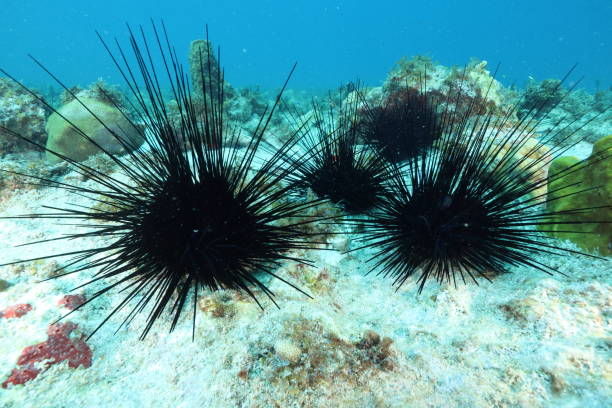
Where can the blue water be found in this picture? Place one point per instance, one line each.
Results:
(332, 41)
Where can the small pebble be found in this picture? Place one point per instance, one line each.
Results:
(4, 285)
(288, 351)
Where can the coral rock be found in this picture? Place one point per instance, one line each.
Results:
(201, 60)
(4, 285)
(288, 351)
(534, 158)
(67, 140)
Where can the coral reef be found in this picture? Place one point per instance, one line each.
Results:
(594, 174)
(572, 110)
(469, 205)
(248, 104)
(67, 127)
(14, 163)
(39, 269)
(538, 342)
(22, 113)
(476, 81)
(530, 153)
(473, 81)
(547, 94)
(412, 72)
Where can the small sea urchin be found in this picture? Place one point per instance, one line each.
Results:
(468, 206)
(195, 213)
(336, 166)
(403, 124)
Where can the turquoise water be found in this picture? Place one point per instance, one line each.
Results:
(333, 41)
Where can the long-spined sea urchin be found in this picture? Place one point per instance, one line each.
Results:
(468, 206)
(403, 124)
(336, 165)
(195, 213)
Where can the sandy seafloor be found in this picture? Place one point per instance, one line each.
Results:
(525, 340)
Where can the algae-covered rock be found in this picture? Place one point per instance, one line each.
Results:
(568, 115)
(539, 98)
(22, 113)
(67, 140)
(595, 172)
(475, 81)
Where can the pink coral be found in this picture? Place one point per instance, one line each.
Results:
(71, 302)
(14, 311)
(58, 347)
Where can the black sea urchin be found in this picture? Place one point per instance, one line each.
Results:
(335, 166)
(406, 122)
(194, 213)
(468, 206)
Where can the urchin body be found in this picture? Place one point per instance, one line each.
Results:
(201, 229)
(449, 227)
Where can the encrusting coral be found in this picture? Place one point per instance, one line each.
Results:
(593, 176)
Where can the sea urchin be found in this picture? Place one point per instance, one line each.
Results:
(467, 206)
(336, 166)
(195, 212)
(403, 124)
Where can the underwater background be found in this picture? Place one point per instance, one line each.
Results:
(333, 41)
(522, 339)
